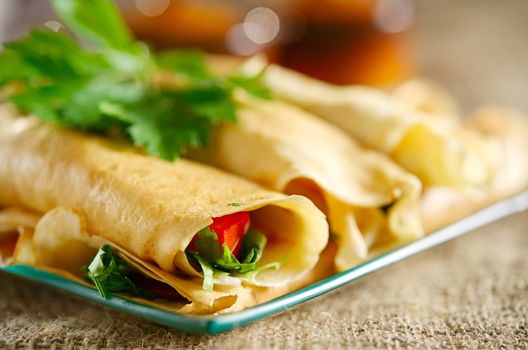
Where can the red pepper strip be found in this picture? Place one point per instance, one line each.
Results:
(230, 229)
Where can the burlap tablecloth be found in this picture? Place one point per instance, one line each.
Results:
(472, 292)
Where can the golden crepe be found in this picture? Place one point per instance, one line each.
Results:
(371, 203)
(95, 192)
(443, 205)
(438, 152)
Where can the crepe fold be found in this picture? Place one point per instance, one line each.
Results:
(370, 202)
(443, 205)
(439, 153)
(146, 208)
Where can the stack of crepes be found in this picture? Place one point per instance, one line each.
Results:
(463, 163)
(357, 155)
(95, 192)
(180, 235)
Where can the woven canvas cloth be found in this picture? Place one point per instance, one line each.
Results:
(469, 293)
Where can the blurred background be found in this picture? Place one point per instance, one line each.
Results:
(477, 50)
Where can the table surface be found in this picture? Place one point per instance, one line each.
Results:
(472, 292)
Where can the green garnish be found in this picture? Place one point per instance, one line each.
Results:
(110, 274)
(234, 204)
(214, 258)
(208, 272)
(114, 83)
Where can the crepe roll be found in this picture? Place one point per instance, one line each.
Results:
(370, 201)
(443, 205)
(151, 212)
(439, 153)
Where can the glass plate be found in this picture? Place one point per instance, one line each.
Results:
(221, 323)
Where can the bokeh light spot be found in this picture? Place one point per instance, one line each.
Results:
(261, 25)
(393, 16)
(152, 8)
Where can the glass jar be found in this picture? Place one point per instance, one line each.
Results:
(340, 41)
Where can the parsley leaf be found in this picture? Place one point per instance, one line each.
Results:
(190, 65)
(251, 84)
(109, 274)
(13, 68)
(56, 56)
(99, 22)
(113, 84)
(96, 20)
(253, 246)
(207, 269)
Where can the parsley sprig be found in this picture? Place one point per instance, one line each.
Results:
(109, 274)
(111, 82)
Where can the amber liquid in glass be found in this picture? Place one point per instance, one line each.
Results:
(338, 42)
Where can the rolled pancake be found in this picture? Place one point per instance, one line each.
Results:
(149, 208)
(369, 200)
(440, 154)
(443, 205)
